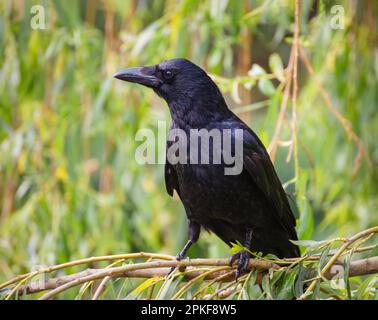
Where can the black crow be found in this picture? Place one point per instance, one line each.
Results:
(250, 207)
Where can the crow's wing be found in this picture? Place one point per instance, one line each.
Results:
(259, 166)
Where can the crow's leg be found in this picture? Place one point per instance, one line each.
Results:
(194, 232)
(243, 256)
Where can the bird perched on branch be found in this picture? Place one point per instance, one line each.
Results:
(249, 206)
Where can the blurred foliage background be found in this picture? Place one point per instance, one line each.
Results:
(69, 184)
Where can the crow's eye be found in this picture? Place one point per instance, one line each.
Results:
(167, 74)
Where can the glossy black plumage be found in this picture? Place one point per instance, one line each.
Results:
(251, 207)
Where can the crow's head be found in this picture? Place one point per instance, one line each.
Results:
(180, 82)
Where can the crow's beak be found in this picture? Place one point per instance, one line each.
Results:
(144, 76)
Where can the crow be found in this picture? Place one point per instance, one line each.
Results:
(250, 207)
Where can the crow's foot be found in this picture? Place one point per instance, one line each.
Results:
(243, 261)
(179, 257)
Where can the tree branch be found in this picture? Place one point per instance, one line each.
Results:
(357, 268)
(333, 260)
(212, 270)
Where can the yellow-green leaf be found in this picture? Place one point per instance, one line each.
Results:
(144, 285)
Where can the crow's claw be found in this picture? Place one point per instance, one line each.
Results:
(181, 269)
(233, 258)
(170, 271)
(243, 261)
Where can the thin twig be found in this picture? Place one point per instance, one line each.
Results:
(88, 261)
(294, 144)
(272, 149)
(101, 288)
(333, 260)
(346, 124)
(222, 277)
(199, 277)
